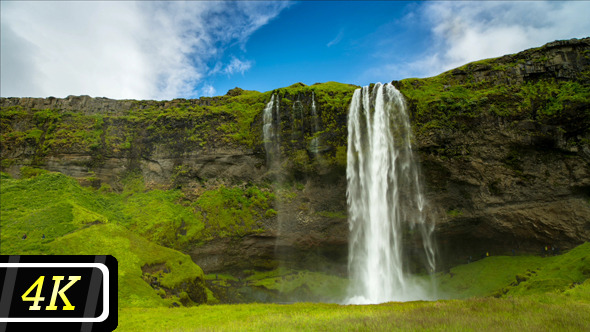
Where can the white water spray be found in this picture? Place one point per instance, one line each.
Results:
(314, 114)
(315, 142)
(270, 130)
(385, 198)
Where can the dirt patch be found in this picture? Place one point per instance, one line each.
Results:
(153, 268)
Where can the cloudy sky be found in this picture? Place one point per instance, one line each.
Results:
(166, 50)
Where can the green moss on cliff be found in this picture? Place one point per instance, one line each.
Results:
(54, 205)
(177, 126)
(455, 100)
(182, 126)
(234, 211)
(306, 150)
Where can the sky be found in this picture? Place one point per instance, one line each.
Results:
(188, 49)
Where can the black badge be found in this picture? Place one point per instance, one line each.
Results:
(67, 293)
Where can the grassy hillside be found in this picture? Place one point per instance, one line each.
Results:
(508, 276)
(57, 207)
(79, 220)
(136, 255)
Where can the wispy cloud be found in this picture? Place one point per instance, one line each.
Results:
(336, 39)
(465, 31)
(237, 66)
(208, 90)
(468, 31)
(141, 50)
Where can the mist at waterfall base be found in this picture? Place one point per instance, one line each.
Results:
(385, 200)
(386, 204)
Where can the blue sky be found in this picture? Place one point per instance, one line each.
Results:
(188, 49)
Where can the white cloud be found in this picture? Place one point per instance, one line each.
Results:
(465, 31)
(237, 66)
(336, 39)
(141, 50)
(208, 90)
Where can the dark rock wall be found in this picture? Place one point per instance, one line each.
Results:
(520, 181)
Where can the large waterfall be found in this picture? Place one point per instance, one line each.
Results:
(385, 199)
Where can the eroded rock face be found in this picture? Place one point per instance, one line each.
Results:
(508, 192)
(298, 236)
(502, 182)
(517, 182)
(562, 59)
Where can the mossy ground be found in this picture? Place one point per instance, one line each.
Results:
(298, 285)
(132, 253)
(507, 276)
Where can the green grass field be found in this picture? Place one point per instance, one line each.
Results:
(498, 293)
(558, 309)
(549, 313)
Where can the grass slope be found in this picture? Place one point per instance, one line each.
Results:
(132, 253)
(517, 275)
(82, 221)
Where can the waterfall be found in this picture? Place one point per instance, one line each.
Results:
(385, 199)
(314, 114)
(315, 142)
(271, 130)
(297, 119)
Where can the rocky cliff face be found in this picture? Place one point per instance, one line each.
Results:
(504, 146)
(508, 164)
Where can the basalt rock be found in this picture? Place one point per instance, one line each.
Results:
(517, 181)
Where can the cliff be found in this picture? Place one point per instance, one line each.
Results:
(505, 149)
(504, 146)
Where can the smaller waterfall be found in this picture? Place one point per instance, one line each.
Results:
(271, 130)
(314, 114)
(315, 142)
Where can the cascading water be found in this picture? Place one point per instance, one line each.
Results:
(385, 199)
(270, 130)
(297, 119)
(314, 114)
(315, 142)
